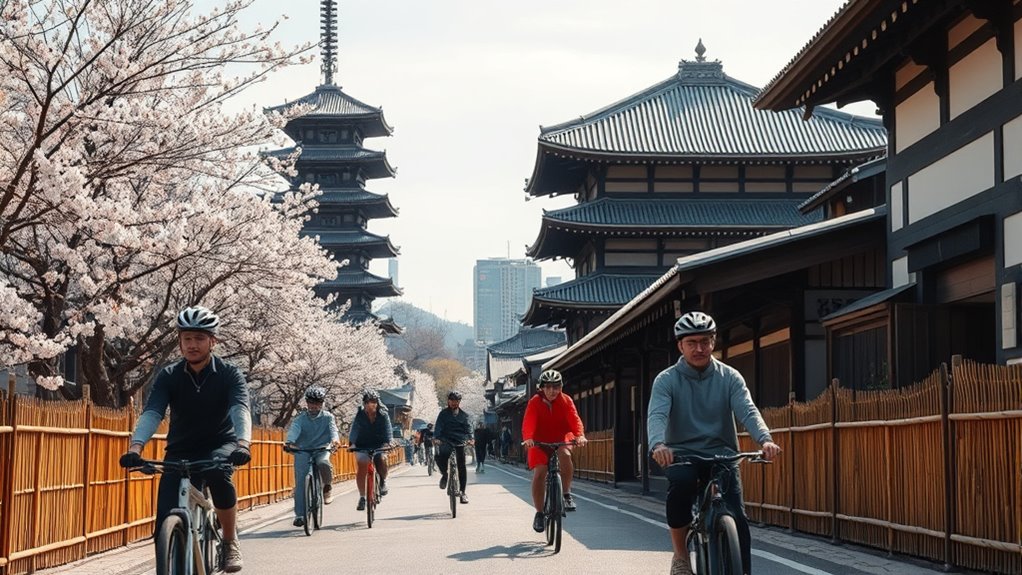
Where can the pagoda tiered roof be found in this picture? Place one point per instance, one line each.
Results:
(527, 342)
(328, 103)
(356, 280)
(699, 115)
(563, 232)
(341, 241)
(594, 293)
(371, 205)
(374, 164)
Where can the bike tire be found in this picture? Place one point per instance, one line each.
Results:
(557, 509)
(308, 505)
(725, 549)
(317, 500)
(370, 497)
(170, 547)
(453, 486)
(697, 553)
(211, 540)
(430, 464)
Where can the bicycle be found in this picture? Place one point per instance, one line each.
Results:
(189, 540)
(713, 544)
(372, 488)
(453, 480)
(313, 490)
(553, 503)
(430, 459)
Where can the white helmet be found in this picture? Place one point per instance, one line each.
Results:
(550, 376)
(198, 318)
(694, 323)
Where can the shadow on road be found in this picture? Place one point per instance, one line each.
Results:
(522, 550)
(430, 516)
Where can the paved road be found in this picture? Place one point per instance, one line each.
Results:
(611, 533)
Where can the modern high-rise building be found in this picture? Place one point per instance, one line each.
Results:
(502, 293)
(392, 272)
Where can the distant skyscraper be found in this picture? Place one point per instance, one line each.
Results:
(553, 280)
(392, 271)
(502, 293)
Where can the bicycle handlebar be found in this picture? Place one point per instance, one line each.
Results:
(556, 445)
(373, 450)
(313, 450)
(152, 466)
(691, 459)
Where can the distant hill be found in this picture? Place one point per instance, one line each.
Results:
(414, 318)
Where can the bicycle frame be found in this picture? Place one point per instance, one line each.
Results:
(312, 477)
(553, 506)
(373, 479)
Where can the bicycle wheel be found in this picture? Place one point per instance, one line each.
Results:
(370, 496)
(170, 547)
(725, 549)
(317, 499)
(308, 505)
(453, 488)
(430, 464)
(556, 509)
(210, 543)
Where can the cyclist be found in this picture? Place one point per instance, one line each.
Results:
(692, 408)
(370, 430)
(426, 436)
(312, 429)
(209, 418)
(453, 427)
(550, 417)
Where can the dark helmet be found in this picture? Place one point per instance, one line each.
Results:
(694, 323)
(550, 376)
(370, 395)
(315, 393)
(454, 395)
(198, 318)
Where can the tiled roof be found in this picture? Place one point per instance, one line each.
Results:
(598, 289)
(850, 176)
(329, 101)
(703, 113)
(528, 341)
(373, 162)
(337, 240)
(372, 205)
(680, 214)
(351, 280)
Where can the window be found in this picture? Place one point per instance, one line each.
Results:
(860, 358)
(328, 136)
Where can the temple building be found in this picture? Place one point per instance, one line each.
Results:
(681, 167)
(330, 136)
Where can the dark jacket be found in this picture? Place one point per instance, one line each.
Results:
(482, 436)
(453, 428)
(371, 435)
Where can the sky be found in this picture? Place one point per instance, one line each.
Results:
(467, 83)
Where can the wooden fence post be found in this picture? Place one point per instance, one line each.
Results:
(86, 460)
(947, 449)
(7, 478)
(791, 460)
(127, 477)
(835, 481)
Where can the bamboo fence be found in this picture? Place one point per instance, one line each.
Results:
(933, 470)
(64, 496)
(595, 461)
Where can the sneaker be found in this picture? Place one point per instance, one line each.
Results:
(361, 504)
(681, 566)
(481, 470)
(232, 556)
(569, 502)
(328, 495)
(298, 522)
(383, 488)
(443, 482)
(464, 499)
(539, 522)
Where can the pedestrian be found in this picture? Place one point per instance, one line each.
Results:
(482, 439)
(505, 443)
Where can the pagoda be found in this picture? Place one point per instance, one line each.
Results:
(330, 137)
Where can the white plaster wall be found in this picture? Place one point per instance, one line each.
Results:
(899, 272)
(962, 30)
(955, 177)
(916, 117)
(975, 78)
(1013, 148)
(897, 208)
(1013, 240)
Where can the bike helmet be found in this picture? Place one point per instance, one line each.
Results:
(454, 395)
(694, 323)
(315, 393)
(198, 318)
(550, 376)
(370, 395)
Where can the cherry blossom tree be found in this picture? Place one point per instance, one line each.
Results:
(425, 405)
(473, 398)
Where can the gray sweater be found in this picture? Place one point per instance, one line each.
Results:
(695, 411)
(311, 432)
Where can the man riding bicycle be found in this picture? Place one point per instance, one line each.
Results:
(312, 429)
(550, 417)
(453, 431)
(209, 419)
(370, 430)
(692, 409)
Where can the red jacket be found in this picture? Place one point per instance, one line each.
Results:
(551, 423)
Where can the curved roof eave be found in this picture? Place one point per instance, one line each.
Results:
(601, 155)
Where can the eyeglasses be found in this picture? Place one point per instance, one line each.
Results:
(702, 343)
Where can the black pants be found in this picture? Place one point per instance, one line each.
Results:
(687, 482)
(480, 453)
(443, 457)
(221, 489)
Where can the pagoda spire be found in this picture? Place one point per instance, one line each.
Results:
(328, 39)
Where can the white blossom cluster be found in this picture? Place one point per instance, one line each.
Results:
(473, 395)
(128, 193)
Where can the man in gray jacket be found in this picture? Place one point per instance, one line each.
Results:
(312, 429)
(692, 409)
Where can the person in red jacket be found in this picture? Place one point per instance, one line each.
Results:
(550, 417)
